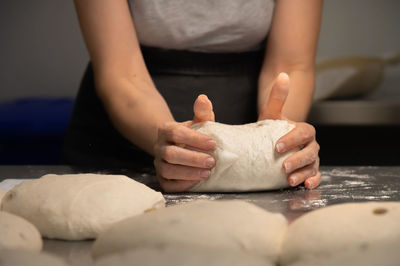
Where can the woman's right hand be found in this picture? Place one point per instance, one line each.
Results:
(182, 155)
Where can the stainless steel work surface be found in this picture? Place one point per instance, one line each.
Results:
(339, 185)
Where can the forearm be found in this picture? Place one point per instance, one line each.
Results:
(123, 83)
(136, 109)
(300, 95)
(291, 48)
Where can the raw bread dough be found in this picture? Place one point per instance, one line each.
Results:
(18, 257)
(17, 233)
(343, 231)
(2, 193)
(183, 256)
(234, 225)
(245, 156)
(76, 207)
(377, 257)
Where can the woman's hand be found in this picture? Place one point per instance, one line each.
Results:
(303, 165)
(181, 154)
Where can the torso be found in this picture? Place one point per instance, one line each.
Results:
(203, 25)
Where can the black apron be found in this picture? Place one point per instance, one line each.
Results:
(229, 80)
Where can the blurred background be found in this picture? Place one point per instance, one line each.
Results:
(357, 102)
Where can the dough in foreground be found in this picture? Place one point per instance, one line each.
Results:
(233, 225)
(80, 206)
(245, 156)
(2, 193)
(29, 258)
(349, 232)
(182, 256)
(18, 233)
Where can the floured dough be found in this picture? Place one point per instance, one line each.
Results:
(388, 256)
(345, 231)
(29, 258)
(183, 256)
(234, 225)
(17, 233)
(245, 156)
(75, 207)
(2, 193)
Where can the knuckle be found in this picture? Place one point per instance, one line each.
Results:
(156, 149)
(175, 134)
(318, 147)
(168, 153)
(163, 169)
(312, 129)
(163, 129)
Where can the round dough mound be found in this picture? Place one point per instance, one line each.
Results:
(18, 257)
(235, 225)
(17, 233)
(349, 230)
(183, 256)
(245, 156)
(76, 207)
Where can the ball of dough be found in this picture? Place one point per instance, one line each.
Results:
(245, 156)
(76, 207)
(182, 256)
(18, 233)
(235, 225)
(19, 257)
(343, 231)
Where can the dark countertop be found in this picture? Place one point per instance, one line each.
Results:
(339, 185)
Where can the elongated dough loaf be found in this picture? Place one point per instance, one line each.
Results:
(351, 231)
(183, 256)
(28, 258)
(245, 156)
(18, 233)
(233, 225)
(2, 193)
(75, 207)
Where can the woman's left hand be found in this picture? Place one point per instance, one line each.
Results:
(303, 165)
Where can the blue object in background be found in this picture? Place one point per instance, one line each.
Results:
(32, 130)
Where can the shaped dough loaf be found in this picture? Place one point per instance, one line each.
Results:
(353, 233)
(76, 207)
(245, 156)
(183, 256)
(2, 193)
(18, 257)
(17, 233)
(233, 225)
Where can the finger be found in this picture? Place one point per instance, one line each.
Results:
(300, 175)
(203, 109)
(181, 172)
(277, 97)
(302, 134)
(313, 182)
(180, 134)
(178, 155)
(301, 158)
(175, 185)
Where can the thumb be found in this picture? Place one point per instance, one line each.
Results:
(203, 110)
(272, 109)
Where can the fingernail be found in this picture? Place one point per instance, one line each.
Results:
(211, 143)
(210, 162)
(280, 146)
(205, 173)
(293, 181)
(288, 167)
